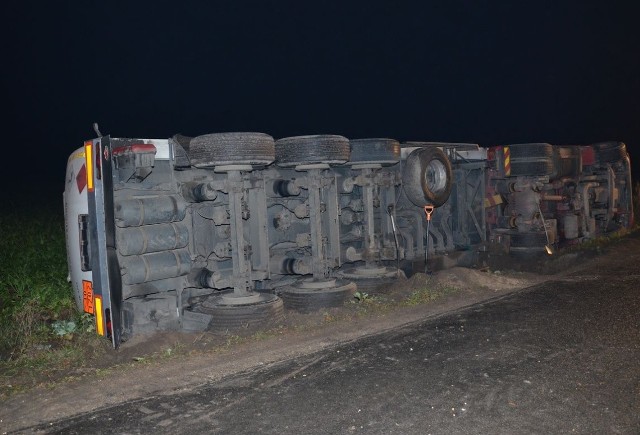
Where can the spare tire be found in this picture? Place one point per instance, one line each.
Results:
(427, 177)
(219, 149)
(314, 149)
(375, 151)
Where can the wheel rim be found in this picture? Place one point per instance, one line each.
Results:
(435, 176)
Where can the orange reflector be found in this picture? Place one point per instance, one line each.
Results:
(99, 316)
(88, 153)
(87, 296)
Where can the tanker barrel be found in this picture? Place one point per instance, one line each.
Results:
(152, 238)
(289, 266)
(149, 210)
(198, 192)
(158, 265)
(285, 188)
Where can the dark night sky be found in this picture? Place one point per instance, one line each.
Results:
(483, 72)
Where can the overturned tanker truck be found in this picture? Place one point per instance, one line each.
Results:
(220, 231)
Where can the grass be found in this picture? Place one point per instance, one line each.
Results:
(35, 297)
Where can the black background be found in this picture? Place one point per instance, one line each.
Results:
(482, 72)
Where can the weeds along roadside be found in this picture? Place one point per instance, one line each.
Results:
(39, 321)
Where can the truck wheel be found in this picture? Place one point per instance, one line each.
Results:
(299, 297)
(427, 177)
(219, 149)
(609, 152)
(267, 312)
(314, 149)
(375, 151)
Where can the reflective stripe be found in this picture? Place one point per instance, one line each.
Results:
(99, 316)
(507, 161)
(88, 151)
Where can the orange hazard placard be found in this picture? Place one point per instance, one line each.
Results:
(87, 296)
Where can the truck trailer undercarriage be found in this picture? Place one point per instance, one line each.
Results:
(224, 230)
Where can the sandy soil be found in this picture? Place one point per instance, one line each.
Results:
(168, 362)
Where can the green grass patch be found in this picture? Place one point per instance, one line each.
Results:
(38, 315)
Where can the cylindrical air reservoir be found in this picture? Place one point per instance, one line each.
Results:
(285, 188)
(149, 210)
(137, 269)
(152, 238)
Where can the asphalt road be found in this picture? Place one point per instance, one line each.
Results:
(562, 357)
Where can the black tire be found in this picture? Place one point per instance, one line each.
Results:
(220, 149)
(375, 151)
(532, 167)
(609, 152)
(530, 150)
(527, 245)
(314, 149)
(427, 177)
(305, 300)
(268, 312)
